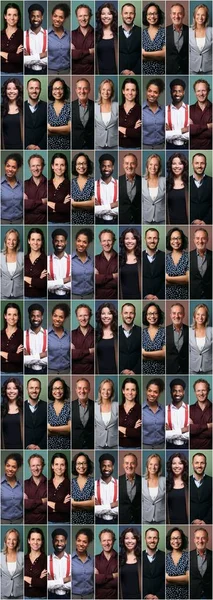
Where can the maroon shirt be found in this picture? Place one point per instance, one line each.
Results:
(38, 288)
(62, 211)
(61, 514)
(38, 588)
(35, 509)
(14, 64)
(200, 434)
(128, 420)
(200, 134)
(105, 284)
(82, 59)
(133, 136)
(35, 211)
(14, 364)
(82, 359)
(105, 584)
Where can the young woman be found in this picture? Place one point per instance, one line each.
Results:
(82, 265)
(106, 416)
(177, 488)
(106, 39)
(59, 124)
(83, 565)
(12, 114)
(130, 264)
(130, 115)
(59, 52)
(82, 190)
(12, 40)
(200, 41)
(12, 190)
(153, 340)
(59, 418)
(12, 566)
(153, 40)
(35, 265)
(12, 414)
(11, 266)
(12, 490)
(106, 339)
(153, 491)
(177, 189)
(59, 340)
(12, 340)
(130, 415)
(59, 190)
(35, 565)
(153, 116)
(177, 265)
(153, 415)
(82, 490)
(177, 565)
(59, 490)
(130, 564)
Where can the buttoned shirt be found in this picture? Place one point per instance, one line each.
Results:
(127, 332)
(127, 32)
(202, 563)
(151, 557)
(11, 500)
(33, 107)
(153, 125)
(58, 51)
(83, 113)
(82, 359)
(58, 350)
(178, 338)
(82, 275)
(131, 488)
(82, 59)
(153, 425)
(178, 118)
(198, 182)
(82, 575)
(178, 38)
(36, 42)
(198, 482)
(35, 509)
(151, 257)
(59, 567)
(59, 266)
(11, 200)
(33, 407)
(36, 342)
(178, 416)
(107, 191)
(83, 413)
(107, 491)
(131, 188)
(201, 263)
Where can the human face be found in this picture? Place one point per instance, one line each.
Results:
(81, 465)
(152, 93)
(11, 541)
(82, 543)
(106, 242)
(129, 465)
(83, 317)
(58, 18)
(130, 541)
(36, 466)
(128, 315)
(130, 165)
(200, 17)
(176, 240)
(11, 169)
(106, 17)
(200, 540)
(81, 243)
(201, 392)
(106, 542)
(34, 90)
(152, 393)
(152, 15)
(12, 92)
(200, 316)
(128, 15)
(199, 464)
(106, 391)
(106, 91)
(11, 17)
(82, 390)
(35, 541)
(176, 540)
(106, 468)
(35, 242)
(106, 316)
(36, 167)
(201, 92)
(177, 15)
(81, 165)
(177, 466)
(153, 166)
(129, 92)
(11, 391)
(106, 169)
(59, 467)
(83, 17)
(59, 167)
(35, 19)
(177, 315)
(130, 392)
(58, 90)
(177, 167)
(152, 240)
(199, 165)
(152, 315)
(34, 390)
(58, 390)
(82, 90)
(36, 318)
(152, 539)
(177, 393)
(130, 241)
(11, 468)
(153, 466)
(177, 94)
(58, 318)
(200, 240)
(11, 241)
(59, 543)
(59, 243)
(11, 317)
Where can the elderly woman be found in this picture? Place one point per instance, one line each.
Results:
(200, 341)
(12, 566)
(153, 491)
(177, 564)
(12, 266)
(153, 192)
(200, 41)
(106, 416)
(153, 340)
(82, 490)
(106, 116)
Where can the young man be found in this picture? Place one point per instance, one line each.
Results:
(35, 417)
(177, 117)
(153, 267)
(35, 342)
(153, 566)
(35, 42)
(106, 492)
(129, 342)
(59, 267)
(106, 267)
(106, 192)
(35, 492)
(35, 113)
(200, 192)
(129, 42)
(177, 417)
(106, 567)
(59, 567)
(200, 492)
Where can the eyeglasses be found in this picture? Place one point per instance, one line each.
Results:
(152, 14)
(152, 314)
(81, 464)
(56, 89)
(175, 539)
(81, 164)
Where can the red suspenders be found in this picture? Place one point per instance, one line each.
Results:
(99, 191)
(51, 566)
(51, 266)
(170, 418)
(28, 41)
(170, 118)
(28, 341)
(99, 491)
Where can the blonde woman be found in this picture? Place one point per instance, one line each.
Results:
(106, 116)
(11, 266)
(200, 341)
(153, 491)
(200, 41)
(12, 566)
(153, 191)
(106, 416)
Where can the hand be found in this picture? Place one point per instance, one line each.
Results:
(25, 496)
(20, 349)
(4, 354)
(138, 424)
(209, 125)
(185, 429)
(167, 577)
(28, 280)
(26, 53)
(72, 346)
(185, 129)
(96, 572)
(44, 200)
(51, 504)
(4, 55)
(91, 350)
(122, 430)
(67, 498)
(115, 275)
(127, 372)
(67, 199)
(115, 575)
(72, 47)
(49, 127)
(28, 579)
(191, 122)
(43, 274)
(44, 500)
(19, 49)
(138, 124)
(167, 427)
(209, 425)
(51, 205)
(43, 54)
(96, 502)
(43, 573)
(96, 272)
(67, 579)
(25, 197)
(92, 50)
(191, 422)
(167, 127)
(33, 447)
(122, 130)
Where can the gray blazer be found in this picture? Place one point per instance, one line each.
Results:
(106, 135)
(154, 210)
(106, 435)
(200, 61)
(12, 584)
(154, 510)
(200, 361)
(12, 285)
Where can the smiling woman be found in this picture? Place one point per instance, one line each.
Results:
(35, 265)
(35, 565)
(12, 340)
(12, 40)
(59, 124)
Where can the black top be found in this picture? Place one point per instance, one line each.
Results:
(106, 356)
(106, 57)
(11, 429)
(177, 207)
(177, 506)
(12, 132)
(130, 282)
(130, 581)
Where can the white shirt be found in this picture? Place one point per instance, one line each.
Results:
(107, 191)
(36, 341)
(60, 571)
(11, 567)
(178, 420)
(178, 121)
(200, 42)
(11, 267)
(153, 192)
(60, 272)
(104, 510)
(36, 42)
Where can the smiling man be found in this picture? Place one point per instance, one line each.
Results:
(35, 342)
(129, 42)
(177, 340)
(82, 117)
(153, 567)
(59, 566)
(201, 417)
(35, 192)
(106, 492)
(200, 491)
(35, 417)
(106, 567)
(82, 416)
(35, 113)
(129, 342)
(130, 191)
(201, 266)
(106, 192)
(82, 45)
(130, 491)
(201, 566)
(200, 192)
(106, 267)
(82, 346)
(59, 267)
(177, 417)
(153, 267)
(35, 491)
(177, 40)
(177, 117)
(201, 117)
(35, 42)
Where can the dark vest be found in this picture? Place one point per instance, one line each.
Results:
(130, 50)
(154, 575)
(130, 350)
(201, 200)
(200, 287)
(36, 125)
(129, 212)
(177, 63)
(129, 512)
(82, 137)
(200, 500)
(154, 275)
(82, 437)
(177, 362)
(35, 425)
(200, 586)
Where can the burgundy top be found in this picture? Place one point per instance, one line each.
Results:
(82, 60)
(38, 288)
(106, 285)
(133, 136)
(34, 210)
(62, 211)
(128, 420)
(200, 134)
(10, 345)
(61, 514)
(38, 588)
(200, 434)
(14, 64)
(106, 584)
(82, 360)
(35, 509)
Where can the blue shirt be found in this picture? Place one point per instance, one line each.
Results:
(82, 275)
(153, 125)
(58, 350)
(82, 575)
(11, 500)
(11, 200)
(58, 51)
(153, 425)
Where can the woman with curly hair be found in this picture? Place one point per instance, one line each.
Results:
(106, 39)
(130, 115)
(82, 190)
(12, 114)
(177, 265)
(177, 189)
(106, 416)
(35, 265)
(177, 564)
(59, 418)
(153, 340)
(82, 266)
(177, 488)
(130, 264)
(153, 116)
(59, 123)
(82, 490)
(130, 415)
(200, 341)
(130, 564)
(106, 339)
(153, 40)
(12, 414)
(11, 490)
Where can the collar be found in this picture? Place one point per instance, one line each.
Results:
(114, 554)
(202, 478)
(128, 329)
(75, 555)
(145, 404)
(53, 330)
(183, 105)
(178, 30)
(112, 180)
(203, 255)
(65, 555)
(76, 255)
(178, 330)
(173, 407)
(79, 103)
(151, 254)
(112, 480)
(90, 29)
(34, 405)
(114, 253)
(32, 32)
(51, 30)
(43, 479)
(199, 180)
(128, 30)
(145, 104)
(42, 330)
(202, 555)
(132, 180)
(79, 403)
(34, 105)
(4, 480)
(131, 480)
(65, 255)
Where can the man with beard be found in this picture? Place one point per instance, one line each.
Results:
(201, 267)
(200, 492)
(82, 346)
(153, 567)
(35, 417)
(106, 267)
(82, 417)
(82, 117)
(59, 267)
(130, 491)
(106, 192)
(130, 192)
(129, 42)
(200, 192)
(201, 117)
(106, 492)
(153, 267)
(35, 192)
(35, 492)
(177, 417)
(35, 342)
(201, 566)
(129, 342)
(35, 42)
(59, 566)
(35, 117)
(177, 342)
(82, 46)
(106, 567)
(177, 117)
(201, 417)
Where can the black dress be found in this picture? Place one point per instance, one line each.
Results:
(130, 582)
(11, 431)
(106, 356)
(177, 506)
(177, 207)
(12, 132)
(130, 282)
(106, 57)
